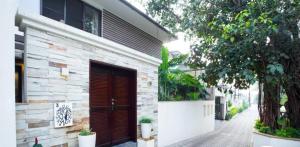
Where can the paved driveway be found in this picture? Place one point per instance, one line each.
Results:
(234, 133)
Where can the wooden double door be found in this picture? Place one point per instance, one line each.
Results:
(112, 104)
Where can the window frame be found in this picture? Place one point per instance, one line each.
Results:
(19, 68)
(70, 17)
(99, 13)
(64, 11)
(84, 4)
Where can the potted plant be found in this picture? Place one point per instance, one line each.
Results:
(87, 138)
(146, 127)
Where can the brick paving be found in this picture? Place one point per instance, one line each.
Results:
(234, 133)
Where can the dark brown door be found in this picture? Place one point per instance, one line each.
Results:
(112, 104)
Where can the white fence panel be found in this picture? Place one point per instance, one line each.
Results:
(178, 121)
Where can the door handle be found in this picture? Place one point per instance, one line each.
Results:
(113, 103)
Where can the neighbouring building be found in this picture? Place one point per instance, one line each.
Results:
(85, 64)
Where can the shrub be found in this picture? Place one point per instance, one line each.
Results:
(178, 98)
(146, 120)
(258, 124)
(37, 145)
(288, 132)
(232, 112)
(283, 122)
(193, 95)
(85, 132)
(227, 117)
(283, 132)
(261, 127)
(241, 109)
(175, 84)
(265, 129)
(229, 104)
(245, 105)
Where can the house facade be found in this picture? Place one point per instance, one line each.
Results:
(97, 59)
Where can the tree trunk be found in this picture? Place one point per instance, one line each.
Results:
(259, 104)
(293, 106)
(292, 88)
(270, 108)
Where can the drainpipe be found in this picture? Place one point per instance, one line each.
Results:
(7, 74)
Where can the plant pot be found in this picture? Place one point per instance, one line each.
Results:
(145, 143)
(146, 130)
(87, 141)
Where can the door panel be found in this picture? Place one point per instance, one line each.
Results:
(121, 92)
(100, 88)
(100, 124)
(120, 130)
(100, 104)
(112, 104)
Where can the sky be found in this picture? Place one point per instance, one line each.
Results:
(180, 45)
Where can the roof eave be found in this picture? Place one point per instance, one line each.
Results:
(172, 36)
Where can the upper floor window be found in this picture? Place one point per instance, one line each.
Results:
(91, 18)
(54, 9)
(74, 13)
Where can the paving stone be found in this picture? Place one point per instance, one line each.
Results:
(234, 133)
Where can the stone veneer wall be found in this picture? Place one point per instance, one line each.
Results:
(45, 54)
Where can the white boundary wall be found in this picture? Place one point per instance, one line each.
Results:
(178, 121)
(7, 74)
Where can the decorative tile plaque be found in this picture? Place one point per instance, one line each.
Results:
(63, 116)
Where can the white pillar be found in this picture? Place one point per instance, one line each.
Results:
(7, 72)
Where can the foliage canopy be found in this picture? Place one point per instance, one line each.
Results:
(242, 41)
(234, 40)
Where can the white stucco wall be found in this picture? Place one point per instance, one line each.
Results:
(178, 121)
(7, 83)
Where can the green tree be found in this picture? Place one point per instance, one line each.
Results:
(175, 84)
(242, 41)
